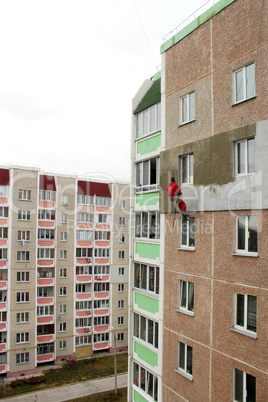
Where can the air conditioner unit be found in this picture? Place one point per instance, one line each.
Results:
(88, 329)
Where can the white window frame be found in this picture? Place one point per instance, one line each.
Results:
(122, 204)
(23, 276)
(141, 187)
(121, 271)
(246, 96)
(120, 320)
(122, 238)
(24, 195)
(243, 329)
(63, 291)
(121, 254)
(63, 218)
(63, 327)
(3, 254)
(186, 308)
(63, 254)
(120, 336)
(189, 168)
(148, 121)
(184, 370)
(187, 98)
(63, 309)
(120, 304)
(63, 345)
(22, 318)
(246, 156)
(64, 200)
(24, 235)
(63, 272)
(188, 223)
(244, 390)
(63, 236)
(23, 297)
(245, 251)
(122, 221)
(121, 287)
(24, 215)
(22, 337)
(22, 358)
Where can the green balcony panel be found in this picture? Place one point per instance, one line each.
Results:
(146, 354)
(148, 199)
(147, 303)
(148, 250)
(138, 397)
(149, 145)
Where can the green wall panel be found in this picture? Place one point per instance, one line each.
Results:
(148, 199)
(149, 145)
(138, 397)
(148, 250)
(146, 354)
(147, 303)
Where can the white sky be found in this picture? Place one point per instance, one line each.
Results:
(68, 72)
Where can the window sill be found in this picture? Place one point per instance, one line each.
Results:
(186, 122)
(184, 374)
(244, 332)
(186, 312)
(255, 255)
(243, 100)
(186, 248)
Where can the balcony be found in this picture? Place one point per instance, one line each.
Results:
(83, 296)
(100, 345)
(45, 352)
(102, 311)
(102, 278)
(84, 313)
(101, 328)
(45, 333)
(3, 285)
(83, 278)
(45, 300)
(45, 281)
(101, 294)
(47, 319)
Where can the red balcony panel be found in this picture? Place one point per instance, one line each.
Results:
(83, 313)
(3, 242)
(101, 295)
(101, 345)
(3, 306)
(3, 326)
(82, 331)
(3, 263)
(83, 296)
(84, 243)
(102, 226)
(85, 225)
(46, 224)
(45, 319)
(46, 243)
(3, 368)
(46, 204)
(3, 284)
(3, 347)
(84, 278)
(103, 311)
(45, 338)
(101, 328)
(45, 358)
(3, 200)
(102, 243)
(103, 209)
(45, 281)
(84, 261)
(102, 261)
(45, 300)
(45, 263)
(3, 221)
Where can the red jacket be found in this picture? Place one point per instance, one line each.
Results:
(173, 189)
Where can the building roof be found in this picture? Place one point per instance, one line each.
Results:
(47, 182)
(151, 97)
(93, 188)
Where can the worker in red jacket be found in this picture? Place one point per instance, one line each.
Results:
(174, 191)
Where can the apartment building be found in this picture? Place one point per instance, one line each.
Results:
(59, 264)
(214, 142)
(146, 285)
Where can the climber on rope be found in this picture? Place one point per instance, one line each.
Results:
(174, 192)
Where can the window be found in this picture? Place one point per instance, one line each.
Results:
(187, 234)
(84, 199)
(63, 218)
(147, 175)
(45, 273)
(83, 252)
(63, 345)
(120, 304)
(186, 296)
(122, 221)
(146, 329)
(101, 269)
(102, 235)
(45, 348)
(103, 201)
(47, 195)
(3, 233)
(102, 218)
(83, 270)
(120, 320)
(84, 217)
(244, 83)
(185, 360)
(247, 234)
(104, 303)
(102, 252)
(144, 379)
(80, 288)
(44, 292)
(101, 287)
(4, 191)
(45, 310)
(63, 254)
(64, 199)
(83, 340)
(120, 336)
(25, 195)
(148, 121)
(3, 316)
(122, 238)
(245, 156)
(186, 168)
(121, 271)
(101, 337)
(22, 337)
(22, 358)
(245, 313)
(23, 215)
(3, 212)
(122, 204)
(147, 225)
(63, 272)
(23, 235)
(84, 305)
(121, 255)
(121, 287)
(244, 386)
(63, 309)
(62, 326)
(3, 358)
(46, 234)
(22, 318)
(98, 321)
(23, 297)
(23, 276)
(83, 322)
(45, 253)
(188, 108)
(63, 236)
(63, 291)
(3, 254)
(46, 215)
(84, 235)
(147, 277)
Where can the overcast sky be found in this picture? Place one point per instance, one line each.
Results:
(68, 72)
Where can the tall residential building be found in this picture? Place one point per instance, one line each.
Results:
(215, 144)
(63, 268)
